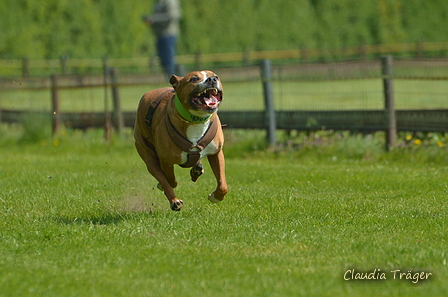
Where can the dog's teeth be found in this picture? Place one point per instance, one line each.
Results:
(213, 91)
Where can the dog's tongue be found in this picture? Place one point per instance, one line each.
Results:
(211, 101)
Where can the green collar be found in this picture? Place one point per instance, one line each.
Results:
(187, 115)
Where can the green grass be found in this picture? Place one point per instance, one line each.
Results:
(83, 218)
(289, 95)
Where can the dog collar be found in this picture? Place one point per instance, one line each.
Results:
(187, 115)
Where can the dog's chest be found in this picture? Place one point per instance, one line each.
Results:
(194, 133)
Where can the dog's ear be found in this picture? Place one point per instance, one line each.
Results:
(174, 81)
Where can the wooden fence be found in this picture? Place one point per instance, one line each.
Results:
(64, 65)
(387, 119)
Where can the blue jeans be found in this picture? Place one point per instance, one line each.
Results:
(166, 47)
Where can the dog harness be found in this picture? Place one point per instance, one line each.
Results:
(193, 150)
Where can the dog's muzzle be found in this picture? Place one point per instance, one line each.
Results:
(207, 96)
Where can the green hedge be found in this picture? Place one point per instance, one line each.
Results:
(95, 28)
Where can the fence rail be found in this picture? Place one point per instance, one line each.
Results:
(353, 120)
(61, 65)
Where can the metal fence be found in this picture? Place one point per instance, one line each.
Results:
(349, 95)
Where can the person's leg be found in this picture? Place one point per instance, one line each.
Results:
(166, 47)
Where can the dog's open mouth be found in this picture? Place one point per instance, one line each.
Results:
(208, 100)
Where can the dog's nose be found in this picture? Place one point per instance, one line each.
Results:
(212, 79)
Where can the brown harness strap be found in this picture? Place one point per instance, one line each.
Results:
(153, 106)
(194, 151)
(150, 113)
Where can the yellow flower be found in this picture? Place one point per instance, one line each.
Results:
(439, 143)
(417, 142)
(408, 137)
(56, 142)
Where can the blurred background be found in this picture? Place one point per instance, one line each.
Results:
(49, 29)
(97, 58)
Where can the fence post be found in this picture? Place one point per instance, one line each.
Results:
(266, 75)
(389, 102)
(107, 116)
(55, 105)
(117, 112)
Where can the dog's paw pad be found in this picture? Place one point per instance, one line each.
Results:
(196, 171)
(177, 204)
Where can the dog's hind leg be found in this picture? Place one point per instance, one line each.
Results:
(196, 171)
(168, 184)
(166, 187)
(153, 165)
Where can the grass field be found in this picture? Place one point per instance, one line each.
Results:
(83, 218)
(289, 95)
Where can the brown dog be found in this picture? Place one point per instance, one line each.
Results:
(180, 125)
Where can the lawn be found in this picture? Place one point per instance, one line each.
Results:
(83, 218)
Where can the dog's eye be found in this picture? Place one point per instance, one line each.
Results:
(194, 79)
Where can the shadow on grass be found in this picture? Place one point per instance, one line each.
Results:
(127, 208)
(104, 219)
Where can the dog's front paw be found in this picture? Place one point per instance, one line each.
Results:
(176, 204)
(212, 198)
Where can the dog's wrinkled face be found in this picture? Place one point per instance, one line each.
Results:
(199, 91)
